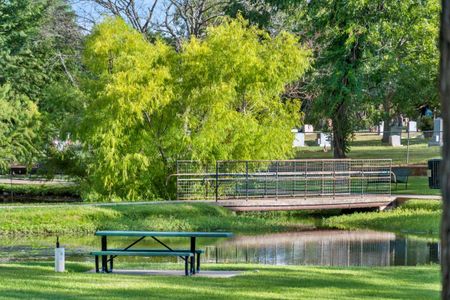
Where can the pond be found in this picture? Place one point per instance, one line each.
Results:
(314, 247)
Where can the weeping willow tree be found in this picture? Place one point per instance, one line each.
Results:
(217, 98)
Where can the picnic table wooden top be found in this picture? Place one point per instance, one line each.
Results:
(164, 233)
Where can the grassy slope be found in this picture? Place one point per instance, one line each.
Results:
(87, 219)
(418, 217)
(39, 281)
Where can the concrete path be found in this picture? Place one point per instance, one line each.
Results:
(208, 274)
(12, 206)
(20, 181)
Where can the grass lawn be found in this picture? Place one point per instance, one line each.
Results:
(38, 281)
(418, 154)
(166, 217)
(416, 217)
(417, 185)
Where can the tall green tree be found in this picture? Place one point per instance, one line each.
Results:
(36, 41)
(218, 98)
(402, 68)
(21, 74)
(369, 54)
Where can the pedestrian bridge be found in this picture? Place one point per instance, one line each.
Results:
(287, 184)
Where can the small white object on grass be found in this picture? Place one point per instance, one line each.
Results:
(59, 257)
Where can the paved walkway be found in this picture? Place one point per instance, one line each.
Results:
(12, 206)
(209, 274)
(28, 181)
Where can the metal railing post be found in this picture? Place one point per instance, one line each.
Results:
(295, 179)
(306, 179)
(246, 180)
(276, 191)
(206, 181)
(217, 181)
(407, 149)
(334, 179)
(322, 185)
(362, 179)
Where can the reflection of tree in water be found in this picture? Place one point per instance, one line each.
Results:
(319, 247)
(330, 248)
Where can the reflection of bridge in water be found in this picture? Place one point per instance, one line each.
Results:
(326, 248)
(287, 184)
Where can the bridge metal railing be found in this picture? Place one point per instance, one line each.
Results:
(275, 179)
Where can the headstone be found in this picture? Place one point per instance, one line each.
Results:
(381, 128)
(395, 140)
(396, 130)
(308, 128)
(437, 133)
(412, 126)
(299, 138)
(324, 140)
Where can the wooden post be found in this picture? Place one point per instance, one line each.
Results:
(444, 87)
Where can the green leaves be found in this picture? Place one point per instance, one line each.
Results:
(218, 98)
(18, 118)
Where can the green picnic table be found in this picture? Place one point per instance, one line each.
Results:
(188, 255)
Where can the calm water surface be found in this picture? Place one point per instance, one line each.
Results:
(316, 247)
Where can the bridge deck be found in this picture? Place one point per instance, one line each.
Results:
(338, 202)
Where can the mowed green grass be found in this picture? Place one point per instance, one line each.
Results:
(417, 185)
(77, 219)
(417, 217)
(371, 148)
(38, 281)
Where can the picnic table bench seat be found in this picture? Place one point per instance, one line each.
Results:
(400, 175)
(147, 253)
(198, 253)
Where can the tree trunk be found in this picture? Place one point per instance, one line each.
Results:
(445, 166)
(386, 130)
(339, 132)
(338, 143)
(387, 104)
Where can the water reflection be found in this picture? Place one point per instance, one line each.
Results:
(317, 247)
(326, 248)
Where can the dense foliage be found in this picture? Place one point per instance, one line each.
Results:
(123, 113)
(37, 53)
(370, 54)
(218, 98)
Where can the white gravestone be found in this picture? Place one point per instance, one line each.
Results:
(299, 138)
(437, 133)
(381, 128)
(308, 128)
(412, 126)
(324, 140)
(395, 141)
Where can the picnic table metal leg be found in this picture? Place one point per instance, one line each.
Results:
(111, 258)
(193, 256)
(198, 262)
(186, 265)
(96, 264)
(104, 257)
